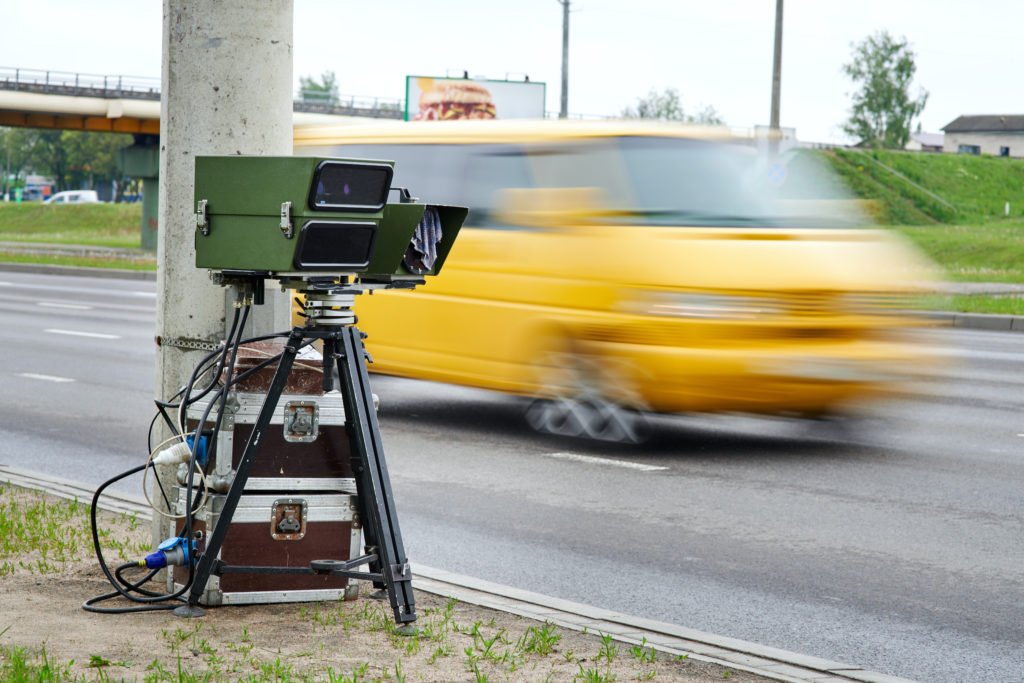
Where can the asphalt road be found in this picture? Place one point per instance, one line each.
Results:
(898, 546)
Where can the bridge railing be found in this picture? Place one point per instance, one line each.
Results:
(141, 87)
(79, 85)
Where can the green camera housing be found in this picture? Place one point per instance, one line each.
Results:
(314, 217)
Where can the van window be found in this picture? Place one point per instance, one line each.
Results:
(489, 170)
(463, 175)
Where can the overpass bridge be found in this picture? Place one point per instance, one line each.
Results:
(131, 104)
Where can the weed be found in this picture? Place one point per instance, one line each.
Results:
(540, 640)
(593, 676)
(17, 666)
(98, 662)
(608, 650)
(441, 651)
(473, 665)
(643, 653)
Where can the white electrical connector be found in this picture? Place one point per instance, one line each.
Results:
(179, 452)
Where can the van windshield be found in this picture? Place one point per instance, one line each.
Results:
(628, 180)
(686, 182)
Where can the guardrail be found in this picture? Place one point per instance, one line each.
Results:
(144, 88)
(79, 85)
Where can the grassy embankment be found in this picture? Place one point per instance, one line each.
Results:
(953, 207)
(94, 225)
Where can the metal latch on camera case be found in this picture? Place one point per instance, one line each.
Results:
(301, 421)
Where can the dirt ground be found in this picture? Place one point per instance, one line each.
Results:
(41, 611)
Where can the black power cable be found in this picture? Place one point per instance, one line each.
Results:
(134, 591)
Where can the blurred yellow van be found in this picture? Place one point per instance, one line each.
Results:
(608, 269)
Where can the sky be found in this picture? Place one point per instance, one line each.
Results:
(715, 53)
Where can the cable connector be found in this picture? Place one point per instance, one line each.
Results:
(172, 455)
(172, 552)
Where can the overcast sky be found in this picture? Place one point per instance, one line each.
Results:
(714, 52)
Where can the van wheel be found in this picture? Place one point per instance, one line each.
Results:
(589, 418)
(573, 398)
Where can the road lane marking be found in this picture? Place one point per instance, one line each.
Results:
(76, 333)
(74, 307)
(591, 460)
(45, 378)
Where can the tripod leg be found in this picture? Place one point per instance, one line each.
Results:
(215, 540)
(377, 508)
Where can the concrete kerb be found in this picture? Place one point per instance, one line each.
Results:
(769, 662)
(78, 271)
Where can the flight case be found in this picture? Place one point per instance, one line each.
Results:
(299, 502)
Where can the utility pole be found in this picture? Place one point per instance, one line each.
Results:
(776, 77)
(563, 113)
(226, 88)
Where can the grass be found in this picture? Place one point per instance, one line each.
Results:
(45, 536)
(107, 225)
(76, 261)
(977, 186)
(974, 303)
(986, 252)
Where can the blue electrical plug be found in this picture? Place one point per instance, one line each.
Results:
(200, 451)
(173, 551)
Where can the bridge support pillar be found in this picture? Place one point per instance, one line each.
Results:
(142, 160)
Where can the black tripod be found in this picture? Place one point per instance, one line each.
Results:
(384, 553)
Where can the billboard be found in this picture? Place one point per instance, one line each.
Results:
(442, 99)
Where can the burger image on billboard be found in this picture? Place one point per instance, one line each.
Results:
(450, 100)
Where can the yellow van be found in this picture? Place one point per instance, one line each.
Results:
(608, 269)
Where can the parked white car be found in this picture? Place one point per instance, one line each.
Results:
(74, 197)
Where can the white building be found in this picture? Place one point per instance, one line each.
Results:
(996, 134)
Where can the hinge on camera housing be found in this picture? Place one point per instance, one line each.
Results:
(404, 196)
(286, 220)
(201, 221)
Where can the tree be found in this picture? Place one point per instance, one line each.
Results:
(15, 155)
(667, 106)
(323, 91)
(92, 157)
(50, 156)
(883, 110)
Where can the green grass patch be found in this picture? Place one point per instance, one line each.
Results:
(977, 186)
(43, 536)
(79, 261)
(988, 252)
(108, 225)
(972, 303)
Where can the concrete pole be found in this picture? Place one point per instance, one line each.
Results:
(564, 110)
(226, 88)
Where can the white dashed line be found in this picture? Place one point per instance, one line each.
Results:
(74, 307)
(45, 378)
(76, 333)
(591, 460)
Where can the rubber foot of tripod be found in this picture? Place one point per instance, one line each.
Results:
(406, 630)
(382, 594)
(188, 611)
